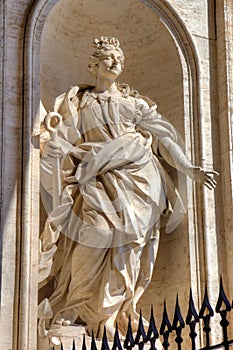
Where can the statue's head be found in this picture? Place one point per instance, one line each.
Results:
(104, 48)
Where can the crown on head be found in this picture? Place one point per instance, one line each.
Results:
(106, 43)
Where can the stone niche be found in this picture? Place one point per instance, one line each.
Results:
(154, 68)
(162, 63)
(179, 53)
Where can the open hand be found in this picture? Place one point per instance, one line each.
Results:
(204, 177)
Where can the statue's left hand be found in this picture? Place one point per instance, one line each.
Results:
(204, 177)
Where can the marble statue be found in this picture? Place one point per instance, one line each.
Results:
(105, 190)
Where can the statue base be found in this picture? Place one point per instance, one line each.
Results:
(69, 334)
(65, 335)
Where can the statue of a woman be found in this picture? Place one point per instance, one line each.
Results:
(101, 238)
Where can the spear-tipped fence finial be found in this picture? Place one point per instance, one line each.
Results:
(223, 300)
(152, 330)
(105, 345)
(178, 319)
(192, 319)
(93, 343)
(141, 334)
(129, 340)
(205, 314)
(74, 345)
(116, 341)
(178, 324)
(152, 333)
(206, 309)
(84, 347)
(192, 314)
(166, 328)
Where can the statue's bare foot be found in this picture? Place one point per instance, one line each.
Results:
(63, 322)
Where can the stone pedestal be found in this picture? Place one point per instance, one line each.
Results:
(65, 335)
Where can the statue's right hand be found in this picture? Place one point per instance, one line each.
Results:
(53, 150)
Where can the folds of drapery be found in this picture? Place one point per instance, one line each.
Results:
(87, 163)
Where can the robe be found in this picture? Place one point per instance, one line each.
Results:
(101, 242)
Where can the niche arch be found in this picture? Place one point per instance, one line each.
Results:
(189, 61)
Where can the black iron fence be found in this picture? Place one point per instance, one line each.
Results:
(176, 327)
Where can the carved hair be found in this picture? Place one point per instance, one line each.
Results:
(102, 45)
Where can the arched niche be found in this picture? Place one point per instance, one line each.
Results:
(161, 63)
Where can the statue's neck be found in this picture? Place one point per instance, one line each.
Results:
(105, 85)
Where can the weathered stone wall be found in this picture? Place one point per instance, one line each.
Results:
(224, 52)
(13, 17)
(193, 88)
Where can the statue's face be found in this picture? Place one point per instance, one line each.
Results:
(111, 64)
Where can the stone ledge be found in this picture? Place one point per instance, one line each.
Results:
(67, 334)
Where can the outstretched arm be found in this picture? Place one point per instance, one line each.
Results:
(174, 156)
